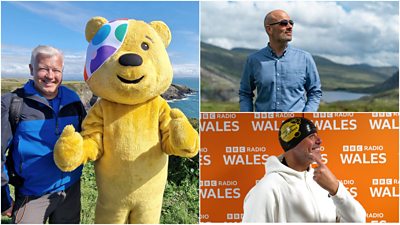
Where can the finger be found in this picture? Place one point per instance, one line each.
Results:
(68, 130)
(317, 172)
(317, 160)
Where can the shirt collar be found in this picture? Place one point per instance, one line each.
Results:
(271, 51)
(31, 90)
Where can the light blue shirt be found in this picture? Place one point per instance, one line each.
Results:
(289, 83)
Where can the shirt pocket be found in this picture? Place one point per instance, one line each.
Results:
(295, 76)
(264, 74)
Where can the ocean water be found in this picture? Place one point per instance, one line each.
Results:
(190, 104)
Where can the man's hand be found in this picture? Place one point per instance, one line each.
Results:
(324, 177)
(8, 212)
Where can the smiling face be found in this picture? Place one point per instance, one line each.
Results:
(278, 33)
(47, 74)
(138, 70)
(308, 148)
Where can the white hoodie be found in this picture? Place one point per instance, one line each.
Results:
(286, 195)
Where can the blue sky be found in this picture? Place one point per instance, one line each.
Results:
(24, 25)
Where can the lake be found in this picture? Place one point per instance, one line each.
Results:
(190, 104)
(333, 96)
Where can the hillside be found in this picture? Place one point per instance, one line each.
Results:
(391, 83)
(221, 70)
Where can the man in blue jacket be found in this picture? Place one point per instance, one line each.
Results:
(44, 193)
(286, 78)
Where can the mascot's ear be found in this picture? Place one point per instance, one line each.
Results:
(162, 30)
(93, 25)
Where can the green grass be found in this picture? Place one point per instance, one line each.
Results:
(181, 203)
(88, 193)
(214, 106)
(10, 84)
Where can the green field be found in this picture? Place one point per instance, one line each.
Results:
(214, 106)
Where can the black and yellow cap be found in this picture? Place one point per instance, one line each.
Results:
(294, 130)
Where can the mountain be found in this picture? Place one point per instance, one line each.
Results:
(221, 71)
(389, 84)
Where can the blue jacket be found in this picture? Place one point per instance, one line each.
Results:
(41, 123)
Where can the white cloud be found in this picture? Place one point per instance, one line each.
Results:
(357, 32)
(15, 61)
(59, 11)
(73, 65)
(185, 69)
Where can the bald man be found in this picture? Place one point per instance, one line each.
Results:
(286, 78)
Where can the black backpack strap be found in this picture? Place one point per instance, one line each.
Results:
(14, 118)
(15, 109)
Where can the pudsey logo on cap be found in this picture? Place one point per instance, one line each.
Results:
(290, 129)
(104, 44)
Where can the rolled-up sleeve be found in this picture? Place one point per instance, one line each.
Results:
(313, 86)
(247, 87)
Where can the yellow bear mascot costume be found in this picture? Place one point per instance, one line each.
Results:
(131, 130)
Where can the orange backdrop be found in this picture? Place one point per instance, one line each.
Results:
(361, 149)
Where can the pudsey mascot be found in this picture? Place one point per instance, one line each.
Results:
(131, 130)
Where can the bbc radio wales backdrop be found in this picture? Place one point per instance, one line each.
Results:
(361, 149)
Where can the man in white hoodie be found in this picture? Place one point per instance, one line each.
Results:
(292, 191)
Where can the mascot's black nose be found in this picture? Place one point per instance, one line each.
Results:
(130, 60)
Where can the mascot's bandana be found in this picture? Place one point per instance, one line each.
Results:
(104, 44)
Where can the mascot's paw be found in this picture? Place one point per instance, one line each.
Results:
(68, 151)
(183, 136)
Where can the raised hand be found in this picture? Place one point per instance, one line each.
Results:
(324, 177)
(68, 151)
(183, 137)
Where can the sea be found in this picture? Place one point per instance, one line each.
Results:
(190, 104)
